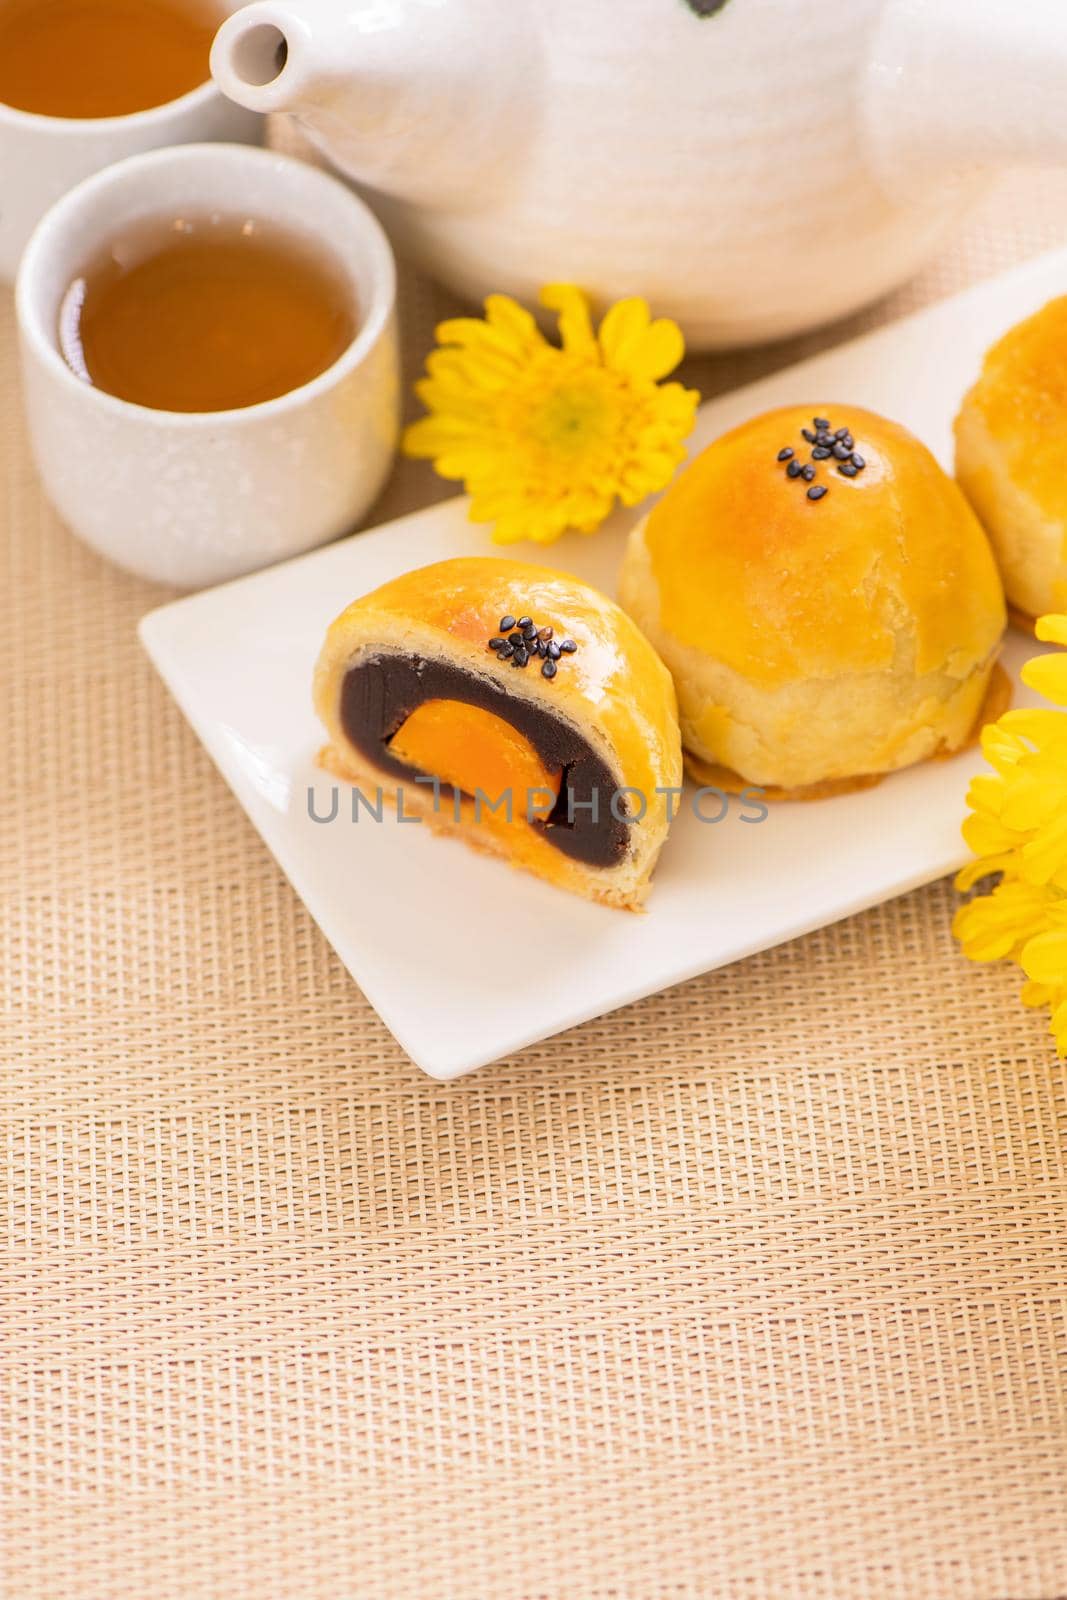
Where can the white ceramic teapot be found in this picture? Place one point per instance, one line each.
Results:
(755, 167)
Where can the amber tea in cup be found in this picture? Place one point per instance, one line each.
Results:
(210, 313)
(102, 58)
(197, 497)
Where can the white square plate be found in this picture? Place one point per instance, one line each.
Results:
(416, 919)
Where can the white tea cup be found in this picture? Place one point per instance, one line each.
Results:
(193, 498)
(41, 157)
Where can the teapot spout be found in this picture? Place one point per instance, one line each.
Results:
(422, 100)
(965, 84)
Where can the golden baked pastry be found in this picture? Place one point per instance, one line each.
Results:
(486, 679)
(1011, 445)
(825, 598)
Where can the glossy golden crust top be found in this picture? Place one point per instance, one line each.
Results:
(784, 589)
(1021, 396)
(614, 682)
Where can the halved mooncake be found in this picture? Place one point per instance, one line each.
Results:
(514, 707)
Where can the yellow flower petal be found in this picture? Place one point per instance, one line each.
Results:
(984, 867)
(1001, 747)
(1055, 997)
(513, 323)
(1044, 857)
(428, 436)
(575, 322)
(1038, 994)
(986, 794)
(1052, 629)
(479, 373)
(1037, 725)
(635, 345)
(1044, 958)
(507, 338)
(1048, 675)
(985, 837)
(1033, 798)
(997, 925)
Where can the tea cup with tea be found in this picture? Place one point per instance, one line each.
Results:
(209, 354)
(84, 83)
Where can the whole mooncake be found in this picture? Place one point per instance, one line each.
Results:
(826, 599)
(1011, 459)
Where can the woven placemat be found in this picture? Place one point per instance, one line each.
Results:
(755, 1289)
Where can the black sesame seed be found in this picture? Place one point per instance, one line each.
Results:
(847, 470)
(807, 434)
(548, 669)
(497, 644)
(506, 649)
(523, 622)
(821, 422)
(552, 651)
(841, 451)
(546, 633)
(506, 624)
(808, 474)
(785, 454)
(858, 462)
(820, 453)
(568, 646)
(793, 470)
(817, 491)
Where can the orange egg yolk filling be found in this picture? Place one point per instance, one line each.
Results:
(474, 751)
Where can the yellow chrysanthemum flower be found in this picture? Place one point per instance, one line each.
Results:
(548, 437)
(1018, 832)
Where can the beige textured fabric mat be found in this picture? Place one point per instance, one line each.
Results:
(757, 1289)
